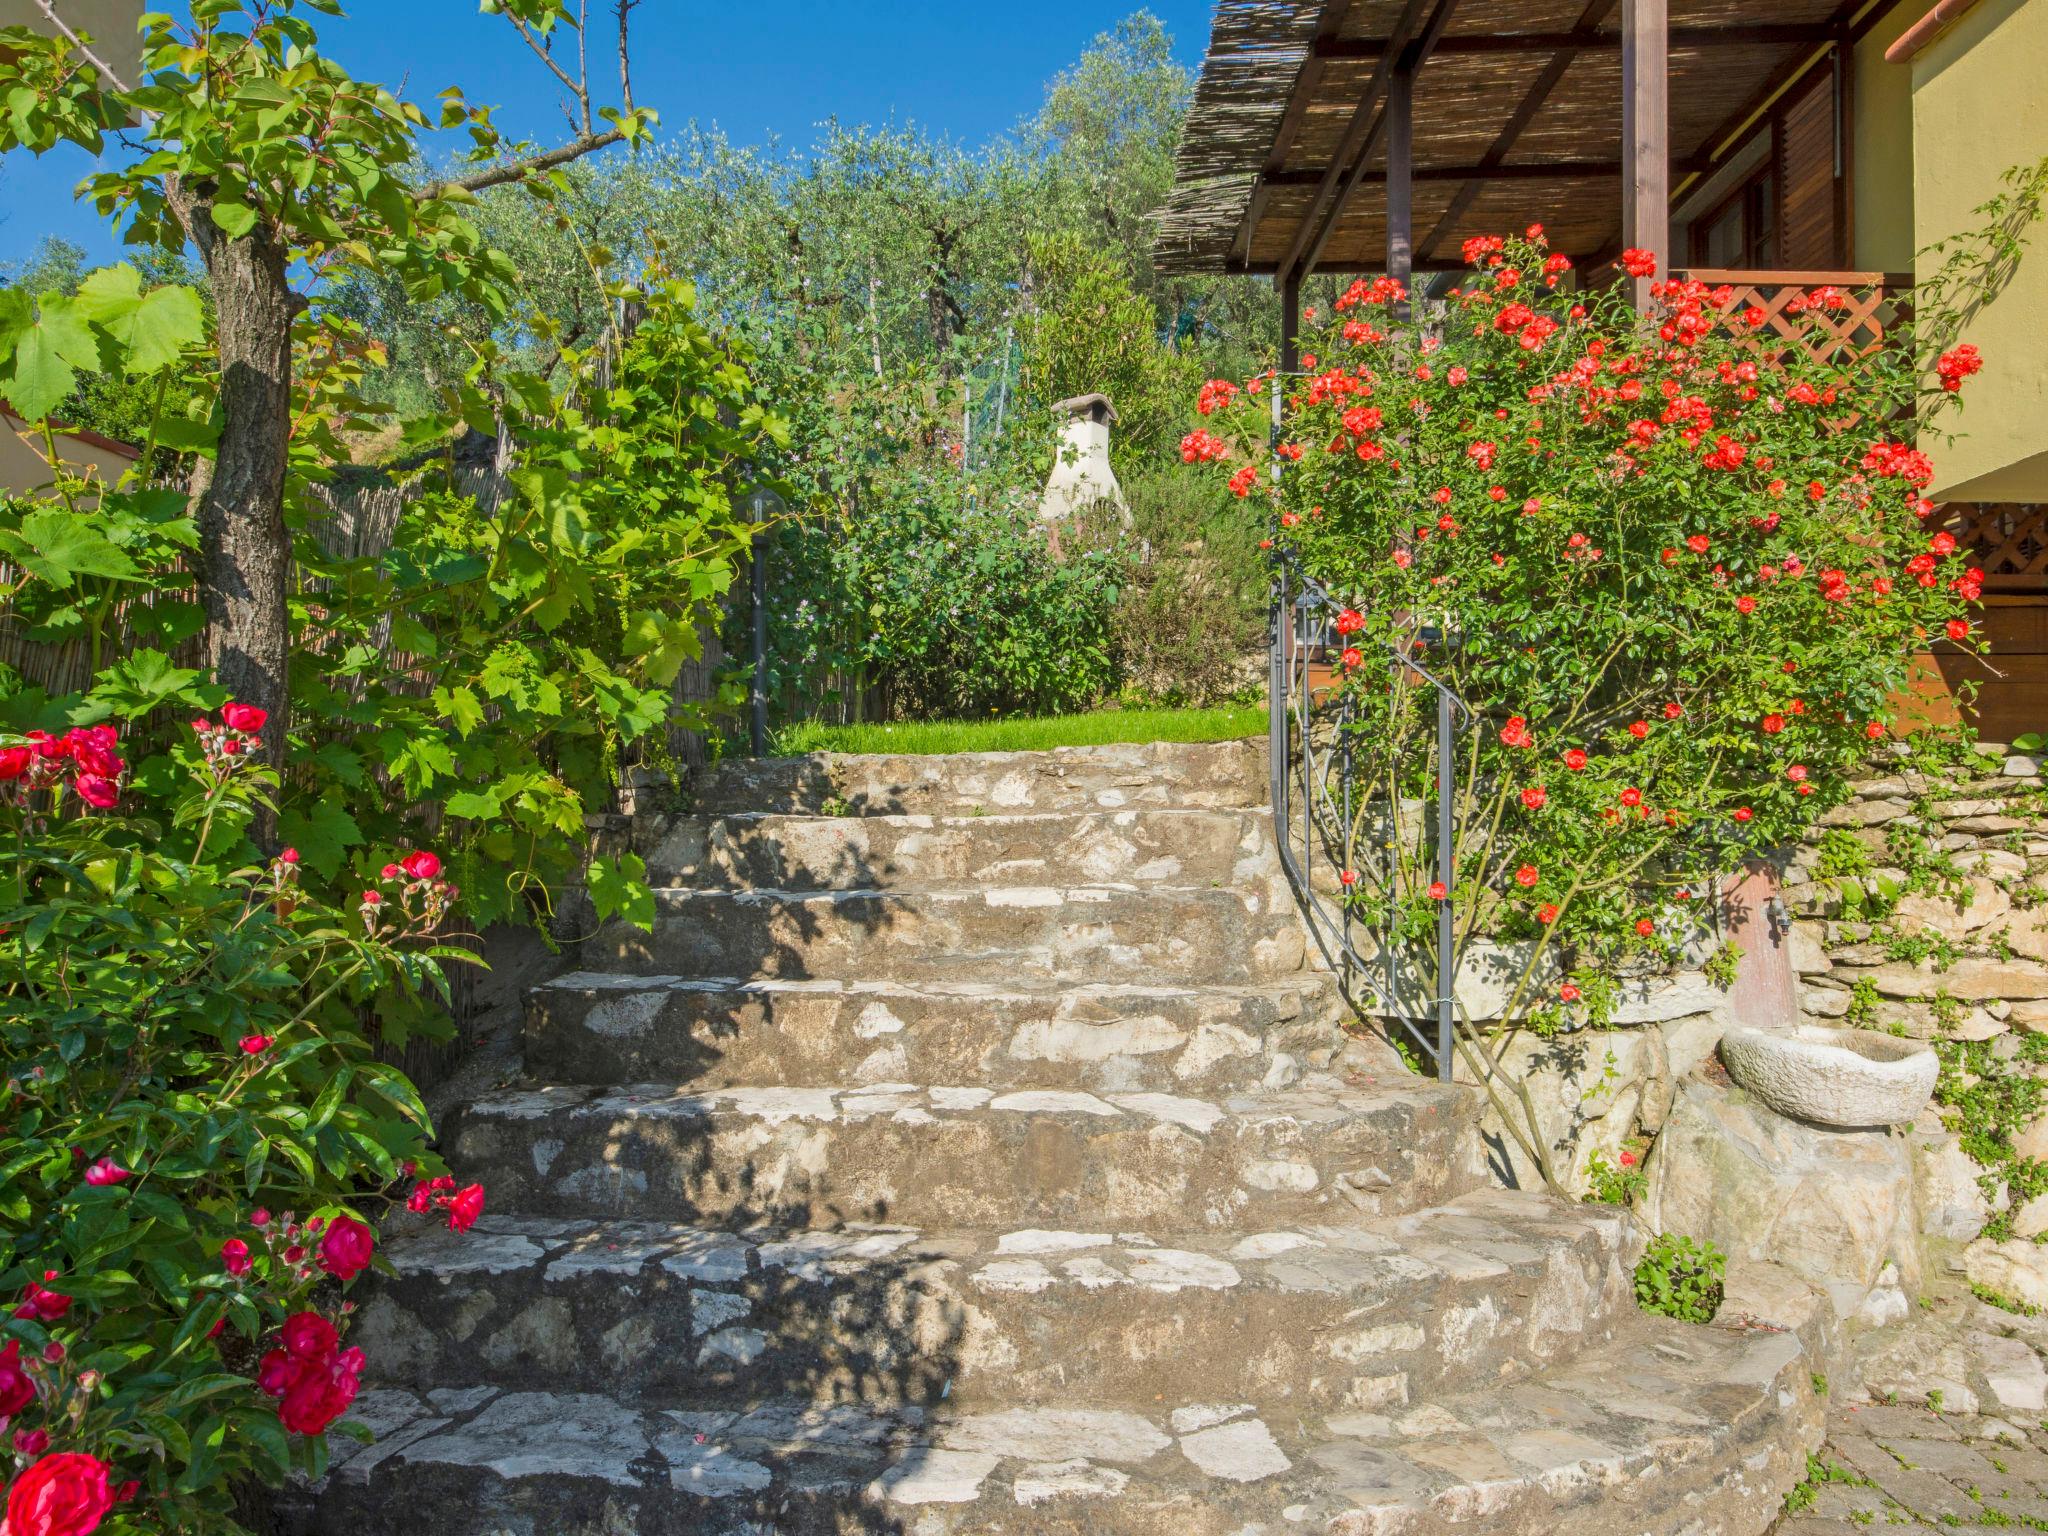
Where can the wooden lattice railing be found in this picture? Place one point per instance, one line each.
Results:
(2008, 540)
(1871, 305)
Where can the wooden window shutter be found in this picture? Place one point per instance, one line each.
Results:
(1809, 232)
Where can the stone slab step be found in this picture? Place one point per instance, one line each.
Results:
(1320, 1317)
(1671, 1429)
(1208, 775)
(1322, 1149)
(1140, 846)
(1080, 933)
(594, 1027)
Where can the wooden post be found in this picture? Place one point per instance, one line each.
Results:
(1646, 135)
(1401, 180)
(1290, 345)
(1290, 322)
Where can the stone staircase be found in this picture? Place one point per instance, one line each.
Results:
(968, 1149)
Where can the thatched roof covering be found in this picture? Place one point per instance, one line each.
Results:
(1517, 119)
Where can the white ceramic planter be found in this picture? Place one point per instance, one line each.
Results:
(1843, 1077)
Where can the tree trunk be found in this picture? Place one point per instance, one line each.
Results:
(245, 563)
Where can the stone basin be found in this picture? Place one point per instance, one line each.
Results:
(1843, 1077)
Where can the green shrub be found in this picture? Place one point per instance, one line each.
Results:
(1193, 607)
(1680, 1278)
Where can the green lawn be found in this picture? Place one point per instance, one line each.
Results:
(1093, 730)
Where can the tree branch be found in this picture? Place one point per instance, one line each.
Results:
(50, 14)
(625, 9)
(547, 57)
(519, 170)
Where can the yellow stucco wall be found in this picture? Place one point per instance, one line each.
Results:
(1881, 157)
(1977, 111)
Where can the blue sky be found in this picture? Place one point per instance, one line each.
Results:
(756, 70)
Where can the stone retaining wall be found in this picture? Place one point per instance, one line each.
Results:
(1919, 907)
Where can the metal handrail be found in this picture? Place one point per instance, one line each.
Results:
(1300, 627)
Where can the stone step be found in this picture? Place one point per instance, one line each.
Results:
(1323, 1318)
(1078, 933)
(592, 1027)
(1193, 775)
(1322, 1149)
(1669, 1429)
(1148, 846)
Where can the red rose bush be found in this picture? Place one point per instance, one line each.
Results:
(184, 1054)
(1676, 567)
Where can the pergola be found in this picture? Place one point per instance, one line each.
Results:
(1376, 135)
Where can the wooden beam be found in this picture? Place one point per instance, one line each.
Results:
(1306, 79)
(1357, 138)
(1551, 170)
(1646, 135)
(1322, 218)
(1401, 179)
(1595, 13)
(1584, 39)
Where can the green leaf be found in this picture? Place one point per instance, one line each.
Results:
(47, 357)
(618, 888)
(323, 832)
(144, 681)
(153, 328)
(59, 546)
(236, 218)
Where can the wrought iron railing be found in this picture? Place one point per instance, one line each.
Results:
(1317, 796)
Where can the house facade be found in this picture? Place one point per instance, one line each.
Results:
(1771, 146)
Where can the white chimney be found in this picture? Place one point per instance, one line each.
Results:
(1081, 475)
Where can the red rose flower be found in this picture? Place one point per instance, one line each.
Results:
(1673, 710)
(106, 1171)
(42, 1304)
(1568, 992)
(1526, 876)
(17, 1389)
(1697, 544)
(1645, 927)
(1637, 262)
(468, 1203)
(100, 793)
(1575, 759)
(1437, 890)
(1639, 729)
(1772, 724)
(234, 1256)
(246, 718)
(1347, 877)
(1796, 773)
(345, 1250)
(420, 865)
(14, 762)
(309, 1336)
(1516, 733)
(1744, 813)
(256, 1045)
(1958, 629)
(320, 1394)
(1535, 796)
(1631, 796)
(1874, 730)
(1546, 914)
(62, 1495)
